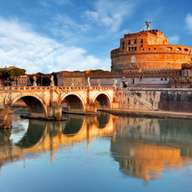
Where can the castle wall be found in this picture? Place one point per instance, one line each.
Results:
(147, 60)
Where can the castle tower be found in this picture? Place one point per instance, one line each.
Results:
(149, 50)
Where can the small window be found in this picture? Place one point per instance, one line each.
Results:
(186, 49)
(123, 45)
(141, 40)
(178, 49)
(129, 42)
(170, 48)
(135, 41)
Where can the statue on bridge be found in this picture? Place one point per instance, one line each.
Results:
(88, 82)
(34, 81)
(115, 83)
(52, 81)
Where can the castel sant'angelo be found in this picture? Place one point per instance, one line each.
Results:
(149, 50)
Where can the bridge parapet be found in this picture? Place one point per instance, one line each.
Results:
(15, 88)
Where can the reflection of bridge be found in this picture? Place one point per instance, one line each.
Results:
(44, 136)
(50, 101)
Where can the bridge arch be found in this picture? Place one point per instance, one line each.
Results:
(102, 100)
(33, 102)
(73, 102)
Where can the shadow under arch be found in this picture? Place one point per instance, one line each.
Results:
(102, 100)
(33, 103)
(72, 103)
(73, 125)
(34, 134)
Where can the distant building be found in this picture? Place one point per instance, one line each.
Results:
(128, 79)
(66, 78)
(22, 80)
(149, 50)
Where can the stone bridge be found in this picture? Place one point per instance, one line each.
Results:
(50, 101)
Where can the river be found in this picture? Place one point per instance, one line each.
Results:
(103, 153)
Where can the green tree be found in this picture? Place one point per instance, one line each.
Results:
(15, 72)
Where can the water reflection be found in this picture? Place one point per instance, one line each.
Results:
(146, 147)
(143, 148)
(34, 136)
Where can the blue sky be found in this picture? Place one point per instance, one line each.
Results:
(53, 35)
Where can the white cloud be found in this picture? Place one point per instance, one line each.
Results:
(67, 27)
(110, 13)
(22, 47)
(188, 21)
(174, 39)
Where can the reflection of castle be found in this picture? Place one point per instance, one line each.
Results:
(144, 150)
(145, 161)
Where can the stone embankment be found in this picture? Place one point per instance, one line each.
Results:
(149, 114)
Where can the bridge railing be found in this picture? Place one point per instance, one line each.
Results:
(70, 88)
(18, 88)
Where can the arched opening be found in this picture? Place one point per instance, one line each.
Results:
(72, 104)
(102, 101)
(29, 104)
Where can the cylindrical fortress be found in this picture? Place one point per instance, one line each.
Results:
(149, 50)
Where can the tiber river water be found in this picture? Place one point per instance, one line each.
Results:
(103, 153)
